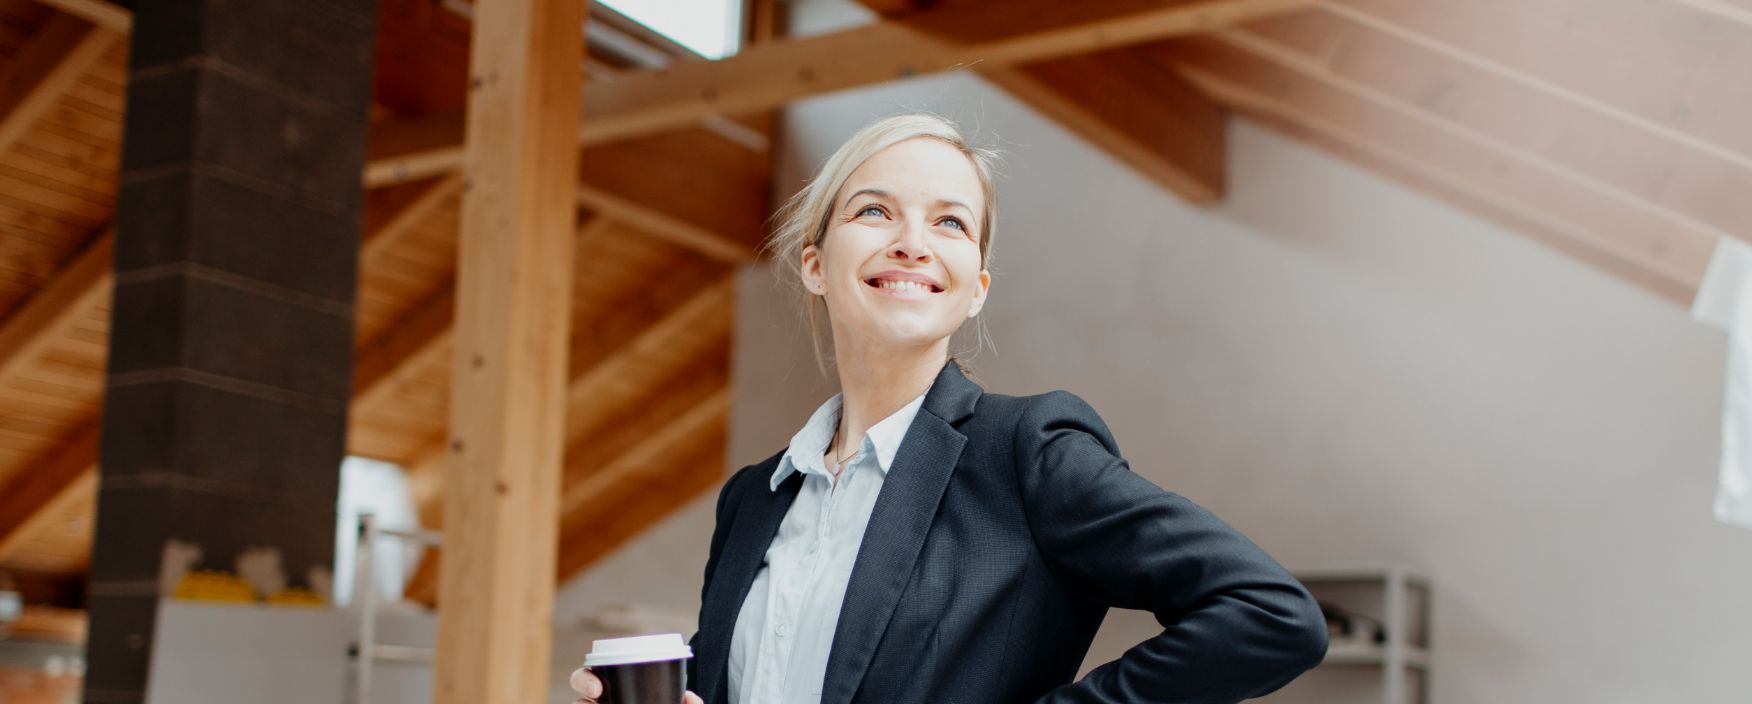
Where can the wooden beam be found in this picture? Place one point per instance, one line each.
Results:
(1528, 199)
(414, 344)
(1690, 189)
(53, 309)
(768, 76)
(50, 623)
(1724, 9)
(33, 495)
(51, 63)
(688, 187)
(513, 315)
(1140, 112)
(595, 368)
(1659, 64)
(102, 13)
(617, 512)
(391, 213)
(49, 314)
(588, 533)
(711, 303)
(711, 409)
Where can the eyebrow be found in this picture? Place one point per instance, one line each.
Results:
(879, 193)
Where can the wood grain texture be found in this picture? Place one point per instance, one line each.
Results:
(510, 353)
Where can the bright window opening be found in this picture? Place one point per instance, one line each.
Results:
(709, 27)
(380, 489)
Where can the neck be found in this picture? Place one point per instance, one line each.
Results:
(876, 382)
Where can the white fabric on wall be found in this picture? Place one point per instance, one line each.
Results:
(1724, 300)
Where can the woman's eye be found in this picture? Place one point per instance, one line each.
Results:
(869, 209)
(956, 222)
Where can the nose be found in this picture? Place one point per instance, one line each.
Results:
(910, 244)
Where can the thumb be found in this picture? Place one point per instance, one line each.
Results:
(691, 698)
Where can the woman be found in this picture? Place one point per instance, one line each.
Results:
(924, 541)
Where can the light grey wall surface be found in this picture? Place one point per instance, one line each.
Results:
(1349, 373)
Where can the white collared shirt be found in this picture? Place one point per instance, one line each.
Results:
(779, 649)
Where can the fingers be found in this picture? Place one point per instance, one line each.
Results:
(586, 684)
(691, 698)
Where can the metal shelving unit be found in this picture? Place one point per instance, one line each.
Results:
(367, 651)
(1397, 598)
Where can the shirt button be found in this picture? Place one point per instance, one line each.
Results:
(782, 629)
(812, 547)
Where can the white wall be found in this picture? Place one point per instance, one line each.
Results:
(1348, 372)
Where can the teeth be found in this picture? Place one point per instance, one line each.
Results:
(905, 285)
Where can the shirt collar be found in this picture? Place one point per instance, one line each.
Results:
(810, 443)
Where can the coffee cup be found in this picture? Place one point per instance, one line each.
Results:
(640, 670)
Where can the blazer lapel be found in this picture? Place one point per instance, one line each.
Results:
(898, 525)
(757, 522)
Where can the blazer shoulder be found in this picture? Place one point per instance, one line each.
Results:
(1041, 417)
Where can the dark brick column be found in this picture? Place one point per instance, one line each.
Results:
(230, 362)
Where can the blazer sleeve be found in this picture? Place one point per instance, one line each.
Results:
(1235, 624)
(720, 532)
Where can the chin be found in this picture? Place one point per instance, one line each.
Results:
(910, 336)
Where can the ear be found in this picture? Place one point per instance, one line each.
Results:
(810, 269)
(979, 296)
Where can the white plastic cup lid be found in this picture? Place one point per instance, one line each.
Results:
(626, 651)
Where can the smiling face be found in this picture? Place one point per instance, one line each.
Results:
(899, 264)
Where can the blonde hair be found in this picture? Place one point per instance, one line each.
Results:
(803, 219)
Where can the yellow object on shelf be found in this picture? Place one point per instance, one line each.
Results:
(296, 596)
(209, 585)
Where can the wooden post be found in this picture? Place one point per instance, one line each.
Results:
(508, 388)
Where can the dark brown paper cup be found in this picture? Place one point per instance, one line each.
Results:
(640, 670)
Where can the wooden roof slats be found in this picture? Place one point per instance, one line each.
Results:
(1671, 65)
(630, 376)
(768, 76)
(1608, 233)
(690, 188)
(676, 475)
(1692, 188)
(100, 12)
(30, 497)
(1173, 135)
(41, 74)
(419, 340)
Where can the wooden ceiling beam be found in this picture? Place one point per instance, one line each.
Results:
(1724, 9)
(38, 492)
(35, 494)
(419, 341)
(689, 187)
(45, 69)
(636, 181)
(55, 308)
(1659, 65)
(603, 518)
(50, 623)
(1526, 197)
(712, 305)
(768, 76)
(1692, 189)
(594, 370)
(392, 213)
(102, 13)
(1139, 112)
(596, 478)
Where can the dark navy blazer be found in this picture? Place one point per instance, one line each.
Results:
(1006, 529)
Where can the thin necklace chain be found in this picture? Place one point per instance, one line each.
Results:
(839, 463)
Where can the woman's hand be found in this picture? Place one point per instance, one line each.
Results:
(587, 685)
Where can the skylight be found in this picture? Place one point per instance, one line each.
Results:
(709, 27)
